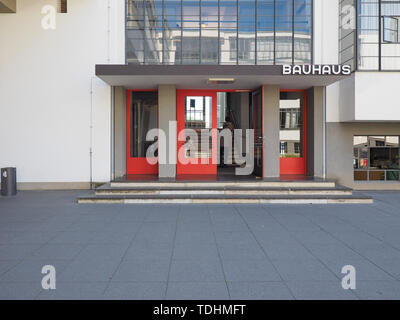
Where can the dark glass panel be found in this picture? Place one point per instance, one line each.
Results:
(144, 117)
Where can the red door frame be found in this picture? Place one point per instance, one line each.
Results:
(199, 168)
(136, 165)
(297, 166)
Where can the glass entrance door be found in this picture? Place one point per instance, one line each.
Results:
(293, 124)
(197, 132)
(142, 116)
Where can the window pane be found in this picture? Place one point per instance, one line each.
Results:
(392, 141)
(198, 118)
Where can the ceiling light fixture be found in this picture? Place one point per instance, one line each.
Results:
(221, 80)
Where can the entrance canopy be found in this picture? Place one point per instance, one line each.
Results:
(208, 77)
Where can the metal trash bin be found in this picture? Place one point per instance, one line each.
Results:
(8, 181)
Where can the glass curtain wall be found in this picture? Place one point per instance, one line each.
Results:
(219, 31)
(373, 41)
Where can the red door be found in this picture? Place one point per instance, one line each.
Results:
(293, 129)
(141, 116)
(197, 132)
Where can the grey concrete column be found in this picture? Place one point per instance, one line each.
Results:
(315, 132)
(271, 131)
(166, 114)
(318, 128)
(119, 132)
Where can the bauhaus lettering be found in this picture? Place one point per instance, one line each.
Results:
(316, 69)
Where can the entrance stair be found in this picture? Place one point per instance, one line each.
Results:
(246, 192)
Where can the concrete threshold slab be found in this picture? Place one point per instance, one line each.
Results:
(225, 201)
(222, 184)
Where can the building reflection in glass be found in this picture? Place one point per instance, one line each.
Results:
(219, 32)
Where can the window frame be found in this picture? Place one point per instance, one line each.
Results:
(368, 169)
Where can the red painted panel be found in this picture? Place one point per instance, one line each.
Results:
(199, 168)
(136, 165)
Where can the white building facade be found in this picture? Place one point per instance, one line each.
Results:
(80, 78)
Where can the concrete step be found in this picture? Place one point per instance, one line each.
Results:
(224, 184)
(225, 199)
(221, 191)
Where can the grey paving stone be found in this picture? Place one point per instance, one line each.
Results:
(191, 251)
(32, 237)
(194, 214)
(89, 270)
(30, 270)
(111, 237)
(378, 290)
(73, 237)
(196, 271)
(74, 291)
(129, 215)
(103, 251)
(281, 250)
(226, 225)
(235, 238)
(320, 290)
(96, 217)
(194, 237)
(156, 232)
(265, 225)
(19, 291)
(16, 226)
(378, 252)
(145, 250)
(6, 265)
(52, 225)
(365, 270)
(330, 251)
(232, 252)
(303, 269)
(157, 215)
(6, 237)
(186, 225)
(142, 270)
(250, 270)
(122, 227)
(58, 251)
(259, 291)
(86, 226)
(197, 291)
(391, 265)
(136, 291)
(297, 223)
(17, 251)
(312, 237)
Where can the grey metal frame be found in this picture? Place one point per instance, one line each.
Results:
(356, 57)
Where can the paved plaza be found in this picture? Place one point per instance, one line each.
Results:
(197, 251)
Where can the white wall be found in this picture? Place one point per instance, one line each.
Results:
(365, 96)
(46, 78)
(377, 96)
